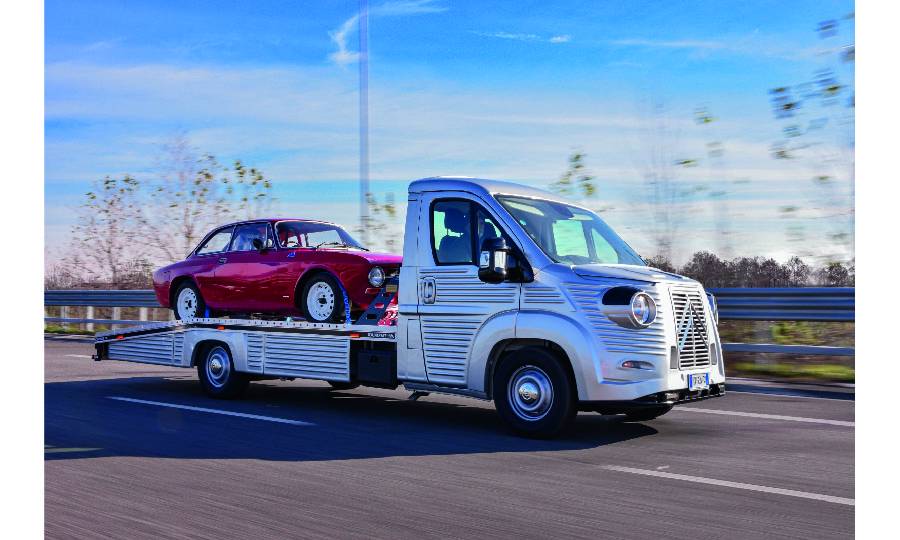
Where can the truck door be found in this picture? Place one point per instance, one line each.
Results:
(453, 302)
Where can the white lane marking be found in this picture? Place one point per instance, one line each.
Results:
(78, 355)
(214, 411)
(768, 416)
(729, 391)
(736, 485)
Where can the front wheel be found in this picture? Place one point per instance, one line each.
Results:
(322, 300)
(217, 374)
(533, 392)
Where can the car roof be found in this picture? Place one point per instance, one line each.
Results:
(274, 220)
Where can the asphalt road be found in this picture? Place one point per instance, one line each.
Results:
(306, 462)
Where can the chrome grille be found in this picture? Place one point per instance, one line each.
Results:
(691, 332)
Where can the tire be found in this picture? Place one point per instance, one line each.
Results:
(188, 302)
(217, 374)
(533, 393)
(645, 415)
(336, 385)
(322, 300)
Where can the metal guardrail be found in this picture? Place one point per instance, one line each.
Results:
(831, 304)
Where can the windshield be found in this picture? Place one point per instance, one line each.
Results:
(310, 234)
(568, 234)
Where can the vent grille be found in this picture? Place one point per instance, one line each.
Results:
(691, 332)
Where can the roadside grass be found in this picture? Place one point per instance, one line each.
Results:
(55, 329)
(818, 372)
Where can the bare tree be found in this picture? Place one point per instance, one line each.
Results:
(576, 181)
(195, 193)
(104, 236)
(383, 229)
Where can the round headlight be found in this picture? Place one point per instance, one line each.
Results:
(376, 276)
(643, 309)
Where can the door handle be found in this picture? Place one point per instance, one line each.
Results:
(223, 260)
(429, 290)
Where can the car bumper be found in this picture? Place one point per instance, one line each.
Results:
(651, 401)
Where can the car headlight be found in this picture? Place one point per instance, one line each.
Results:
(376, 276)
(643, 309)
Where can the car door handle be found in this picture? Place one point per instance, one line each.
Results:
(429, 290)
(223, 260)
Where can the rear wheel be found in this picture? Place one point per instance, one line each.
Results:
(533, 392)
(217, 374)
(188, 302)
(322, 300)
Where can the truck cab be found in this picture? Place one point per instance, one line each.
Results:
(573, 319)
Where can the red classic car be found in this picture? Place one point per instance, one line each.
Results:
(280, 266)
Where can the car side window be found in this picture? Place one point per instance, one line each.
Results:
(244, 236)
(216, 243)
(451, 232)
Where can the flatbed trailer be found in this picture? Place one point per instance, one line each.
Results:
(505, 293)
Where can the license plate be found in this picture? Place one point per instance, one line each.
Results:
(698, 381)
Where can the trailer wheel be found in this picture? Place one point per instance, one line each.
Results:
(322, 300)
(644, 415)
(217, 374)
(533, 393)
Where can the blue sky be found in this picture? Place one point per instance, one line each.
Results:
(503, 89)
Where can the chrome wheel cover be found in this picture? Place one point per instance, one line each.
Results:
(217, 367)
(320, 301)
(186, 304)
(530, 393)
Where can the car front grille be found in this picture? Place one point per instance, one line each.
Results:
(691, 332)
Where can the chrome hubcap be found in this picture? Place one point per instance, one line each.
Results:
(218, 367)
(187, 303)
(320, 301)
(530, 393)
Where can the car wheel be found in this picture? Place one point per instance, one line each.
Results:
(322, 300)
(533, 392)
(644, 415)
(188, 302)
(217, 374)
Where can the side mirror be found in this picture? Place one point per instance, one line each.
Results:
(492, 261)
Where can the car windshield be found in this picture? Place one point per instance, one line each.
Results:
(310, 234)
(568, 234)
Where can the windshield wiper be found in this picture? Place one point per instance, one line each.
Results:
(333, 243)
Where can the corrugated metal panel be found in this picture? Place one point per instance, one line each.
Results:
(314, 356)
(255, 344)
(650, 341)
(534, 295)
(155, 349)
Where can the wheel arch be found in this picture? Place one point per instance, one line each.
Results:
(307, 276)
(177, 282)
(513, 344)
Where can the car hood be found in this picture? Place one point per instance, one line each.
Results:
(387, 259)
(626, 271)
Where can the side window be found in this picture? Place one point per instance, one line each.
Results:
(245, 234)
(216, 243)
(451, 232)
(486, 228)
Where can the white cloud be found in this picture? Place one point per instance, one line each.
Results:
(340, 36)
(518, 36)
(748, 45)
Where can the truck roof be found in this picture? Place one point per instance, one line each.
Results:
(479, 185)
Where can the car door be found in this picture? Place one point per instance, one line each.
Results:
(206, 260)
(454, 303)
(245, 275)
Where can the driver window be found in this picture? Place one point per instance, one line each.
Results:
(451, 232)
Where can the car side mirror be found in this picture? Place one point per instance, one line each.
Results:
(492, 261)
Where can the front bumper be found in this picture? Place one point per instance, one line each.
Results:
(651, 401)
